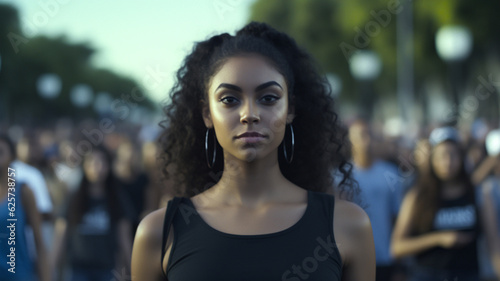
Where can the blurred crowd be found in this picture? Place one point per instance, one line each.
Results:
(433, 198)
(90, 187)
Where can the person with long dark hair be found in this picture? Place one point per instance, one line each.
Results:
(250, 141)
(93, 231)
(18, 210)
(438, 222)
(133, 182)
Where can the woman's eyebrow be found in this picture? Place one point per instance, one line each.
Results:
(230, 87)
(267, 84)
(258, 88)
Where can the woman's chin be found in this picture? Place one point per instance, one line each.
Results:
(250, 155)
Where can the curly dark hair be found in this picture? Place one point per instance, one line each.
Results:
(320, 139)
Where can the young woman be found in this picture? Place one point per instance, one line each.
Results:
(438, 220)
(251, 139)
(131, 180)
(93, 229)
(18, 202)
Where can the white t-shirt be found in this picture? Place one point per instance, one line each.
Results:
(34, 179)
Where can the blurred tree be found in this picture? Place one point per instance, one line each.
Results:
(332, 29)
(9, 22)
(24, 60)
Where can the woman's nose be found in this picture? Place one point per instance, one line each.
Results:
(249, 113)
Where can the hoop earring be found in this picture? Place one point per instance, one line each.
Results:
(210, 163)
(289, 159)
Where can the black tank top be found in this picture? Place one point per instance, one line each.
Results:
(304, 251)
(454, 215)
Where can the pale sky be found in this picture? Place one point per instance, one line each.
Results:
(146, 40)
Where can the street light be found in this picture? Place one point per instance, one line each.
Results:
(102, 103)
(365, 66)
(81, 95)
(453, 45)
(49, 85)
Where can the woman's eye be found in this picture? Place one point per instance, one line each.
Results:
(269, 99)
(228, 100)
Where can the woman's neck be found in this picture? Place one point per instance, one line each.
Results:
(124, 170)
(452, 189)
(250, 183)
(362, 159)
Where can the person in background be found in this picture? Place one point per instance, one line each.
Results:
(157, 193)
(19, 201)
(488, 164)
(381, 193)
(438, 222)
(93, 229)
(489, 206)
(27, 152)
(132, 181)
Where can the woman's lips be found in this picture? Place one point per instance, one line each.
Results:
(251, 139)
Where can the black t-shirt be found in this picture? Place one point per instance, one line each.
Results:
(133, 194)
(454, 215)
(93, 241)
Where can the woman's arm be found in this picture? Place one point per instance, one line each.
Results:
(125, 241)
(59, 240)
(354, 238)
(146, 252)
(403, 244)
(490, 227)
(33, 218)
(484, 169)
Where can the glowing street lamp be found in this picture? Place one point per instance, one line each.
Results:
(49, 85)
(453, 45)
(81, 95)
(102, 103)
(366, 66)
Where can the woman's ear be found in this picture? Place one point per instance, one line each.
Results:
(205, 112)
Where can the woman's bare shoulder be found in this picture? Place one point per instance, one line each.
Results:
(350, 215)
(151, 226)
(352, 230)
(147, 247)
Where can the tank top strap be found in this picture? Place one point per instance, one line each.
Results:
(326, 203)
(170, 211)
